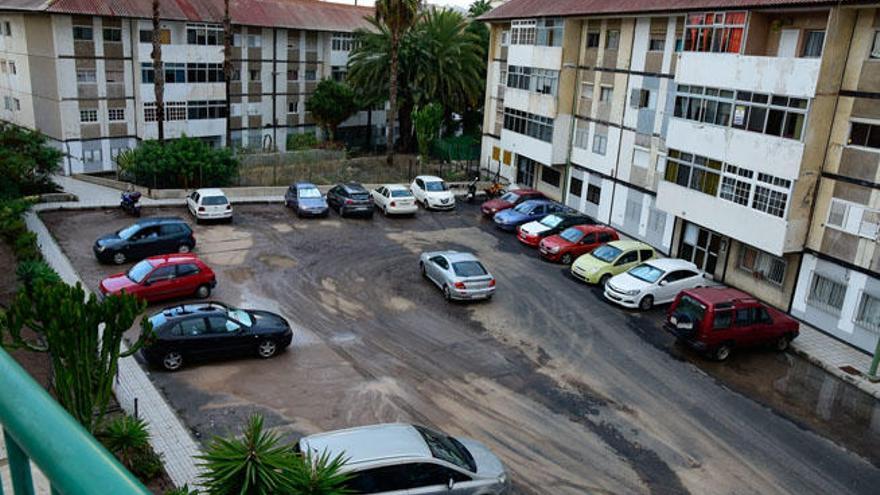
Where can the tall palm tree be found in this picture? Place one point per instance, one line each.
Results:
(398, 16)
(158, 73)
(227, 68)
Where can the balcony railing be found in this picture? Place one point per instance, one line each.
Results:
(37, 429)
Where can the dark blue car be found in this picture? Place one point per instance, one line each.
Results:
(306, 200)
(525, 212)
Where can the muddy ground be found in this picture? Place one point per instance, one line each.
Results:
(575, 395)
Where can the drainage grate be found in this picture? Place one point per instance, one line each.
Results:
(850, 370)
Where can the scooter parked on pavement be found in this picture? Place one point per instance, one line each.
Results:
(129, 203)
(472, 190)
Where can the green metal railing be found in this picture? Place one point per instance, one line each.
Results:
(37, 428)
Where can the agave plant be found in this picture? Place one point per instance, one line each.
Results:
(182, 490)
(320, 475)
(128, 439)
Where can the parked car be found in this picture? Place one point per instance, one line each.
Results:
(351, 198)
(306, 200)
(401, 458)
(395, 199)
(525, 212)
(213, 330)
(163, 277)
(509, 200)
(209, 204)
(432, 192)
(532, 232)
(606, 261)
(146, 237)
(657, 281)
(459, 275)
(575, 241)
(717, 320)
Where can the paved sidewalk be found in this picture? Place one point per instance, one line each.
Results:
(833, 356)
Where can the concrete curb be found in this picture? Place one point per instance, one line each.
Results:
(860, 383)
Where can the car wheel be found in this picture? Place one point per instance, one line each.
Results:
(184, 248)
(119, 258)
(604, 280)
(646, 303)
(722, 352)
(782, 343)
(172, 361)
(447, 294)
(267, 348)
(203, 292)
(566, 259)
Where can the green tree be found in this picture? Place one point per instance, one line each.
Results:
(427, 120)
(330, 104)
(83, 337)
(185, 162)
(26, 162)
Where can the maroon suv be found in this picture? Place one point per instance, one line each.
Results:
(716, 320)
(509, 200)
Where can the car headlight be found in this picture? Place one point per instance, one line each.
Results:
(502, 478)
(101, 248)
(592, 269)
(633, 292)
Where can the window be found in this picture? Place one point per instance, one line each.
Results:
(3, 67)
(193, 327)
(864, 134)
(575, 187)
(292, 75)
(875, 47)
(640, 98)
(519, 77)
(93, 156)
(204, 34)
(16, 103)
(813, 42)
(112, 35)
(88, 116)
(86, 76)
(255, 41)
(853, 218)
(657, 43)
(868, 314)
(292, 106)
(594, 194)
(187, 268)
(148, 76)
(174, 110)
(551, 176)
(8, 28)
(116, 150)
(311, 74)
(542, 81)
(146, 36)
(337, 72)
(254, 75)
(771, 195)
(549, 32)
(723, 320)
(342, 42)
(720, 32)
(736, 185)
(115, 114)
(525, 170)
(253, 108)
(693, 171)
(612, 39)
(582, 138)
(174, 72)
(762, 265)
(115, 77)
(545, 81)
(605, 93)
(82, 33)
(201, 110)
(12, 69)
(826, 293)
(528, 124)
(593, 39)
(587, 90)
(600, 143)
(523, 32)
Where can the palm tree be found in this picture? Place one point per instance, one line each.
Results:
(227, 68)
(158, 73)
(478, 8)
(398, 16)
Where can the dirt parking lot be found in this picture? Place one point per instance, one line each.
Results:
(576, 396)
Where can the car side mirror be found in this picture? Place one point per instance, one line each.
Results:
(147, 283)
(451, 484)
(663, 282)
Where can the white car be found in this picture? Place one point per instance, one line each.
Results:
(394, 199)
(209, 204)
(433, 193)
(656, 281)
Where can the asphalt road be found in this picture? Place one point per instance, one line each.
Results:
(576, 396)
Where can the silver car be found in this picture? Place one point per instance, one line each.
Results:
(459, 275)
(398, 459)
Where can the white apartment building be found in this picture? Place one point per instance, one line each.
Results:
(82, 72)
(716, 132)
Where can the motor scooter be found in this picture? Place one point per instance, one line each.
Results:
(129, 203)
(472, 190)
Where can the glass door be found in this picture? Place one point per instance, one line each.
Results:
(700, 246)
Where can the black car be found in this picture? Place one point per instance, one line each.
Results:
(350, 198)
(147, 237)
(213, 330)
(551, 225)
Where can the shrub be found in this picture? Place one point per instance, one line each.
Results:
(30, 273)
(319, 475)
(303, 141)
(182, 490)
(26, 162)
(128, 439)
(179, 163)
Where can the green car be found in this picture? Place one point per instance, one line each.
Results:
(610, 259)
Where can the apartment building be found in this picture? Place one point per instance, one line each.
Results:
(740, 135)
(82, 72)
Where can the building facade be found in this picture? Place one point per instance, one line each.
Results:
(742, 136)
(82, 72)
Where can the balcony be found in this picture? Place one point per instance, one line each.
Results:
(537, 56)
(527, 101)
(776, 75)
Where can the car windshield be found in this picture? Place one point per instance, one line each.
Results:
(606, 253)
(309, 193)
(468, 269)
(510, 197)
(214, 200)
(157, 320)
(647, 273)
(129, 231)
(572, 235)
(139, 272)
(524, 208)
(241, 316)
(689, 306)
(448, 449)
(551, 221)
(436, 186)
(401, 193)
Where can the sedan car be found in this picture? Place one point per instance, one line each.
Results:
(606, 261)
(656, 281)
(209, 204)
(306, 200)
(531, 233)
(163, 277)
(394, 199)
(146, 237)
(575, 241)
(525, 212)
(210, 330)
(459, 275)
(433, 193)
(509, 200)
(350, 199)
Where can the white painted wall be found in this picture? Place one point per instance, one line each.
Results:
(781, 76)
(540, 57)
(527, 101)
(537, 150)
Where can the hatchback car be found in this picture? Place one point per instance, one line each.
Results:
(459, 275)
(531, 233)
(526, 212)
(656, 281)
(209, 204)
(717, 320)
(395, 199)
(306, 200)
(509, 200)
(350, 199)
(146, 237)
(402, 459)
(163, 277)
(211, 330)
(575, 241)
(606, 261)
(433, 193)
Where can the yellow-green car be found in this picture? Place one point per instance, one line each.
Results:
(608, 260)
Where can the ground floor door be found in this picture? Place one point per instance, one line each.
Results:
(701, 246)
(525, 171)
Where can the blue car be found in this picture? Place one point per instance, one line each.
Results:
(525, 212)
(306, 200)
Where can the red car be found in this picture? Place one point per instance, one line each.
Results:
(163, 277)
(574, 241)
(716, 320)
(509, 200)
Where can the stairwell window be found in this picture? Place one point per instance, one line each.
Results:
(204, 34)
(83, 33)
(600, 144)
(612, 39)
(86, 76)
(605, 93)
(593, 39)
(826, 293)
(575, 186)
(88, 116)
(112, 35)
(864, 134)
(594, 194)
(115, 114)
